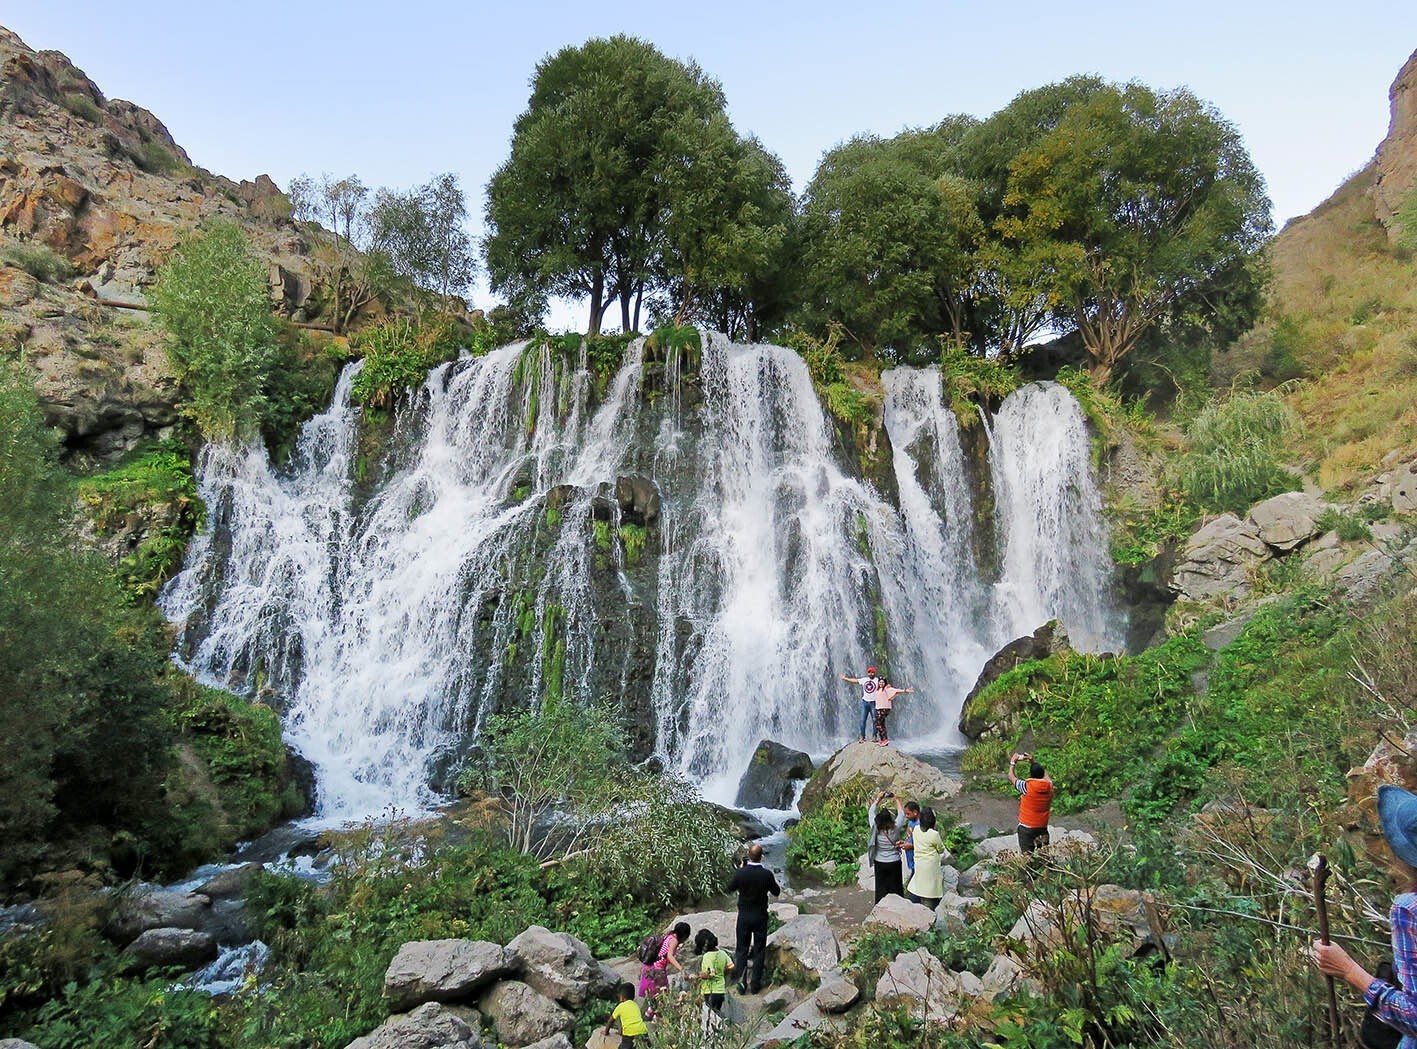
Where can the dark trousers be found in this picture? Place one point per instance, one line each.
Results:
(881, 714)
(752, 945)
(888, 880)
(1029, 838)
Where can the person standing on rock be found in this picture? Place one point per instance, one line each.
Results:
(884, 697)
(927, 880)
(868, 684)
(654, 976)
(714, 966)
(885, 848)
(1034, 804)
(752, 882)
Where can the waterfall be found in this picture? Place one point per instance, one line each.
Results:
(392, 587)
(1055, 561)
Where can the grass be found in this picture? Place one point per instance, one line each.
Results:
(38, 260)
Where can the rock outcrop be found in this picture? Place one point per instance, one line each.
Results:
(805, 946)
(560, 966)
(885, 767)
(768, 781)
(1048, 640)
(922, 985)
(1289, 520)
(1219, 560)
(521, 1015)
(1396, 162)
(442, 971)
(430, 1026)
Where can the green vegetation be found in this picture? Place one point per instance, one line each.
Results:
(970, 381)
(397, 357)
(158, 489)
(1140, 533)
(79, 103)
(1234, 448)
(157, 159)
(835, 832)
(38, 260)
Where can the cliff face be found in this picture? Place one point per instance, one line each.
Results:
(1396, 162)
(94, 194)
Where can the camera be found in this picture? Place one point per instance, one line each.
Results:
(888, 794)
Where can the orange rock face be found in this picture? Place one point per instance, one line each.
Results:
(1397, 156)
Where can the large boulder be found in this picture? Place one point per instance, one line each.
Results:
(768, 781)
(723, 924)
(898, 914)
(442, 971)
(925, 988)
(1219, 560)
(520, 1015)
(1289, 520)
(230, 882)
(886, 768)
(805, 946)
(146, 907)
(160, 948)
(560, 966)
(836, 995)
(16, 1043)
(1049, 639)
(430, 1026)
(805, 1018)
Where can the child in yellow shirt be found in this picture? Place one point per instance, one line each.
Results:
(627, 1015)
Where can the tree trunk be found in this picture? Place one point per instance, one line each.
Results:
(597, 293)
(639, 297)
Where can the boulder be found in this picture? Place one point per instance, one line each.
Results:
(920, 984)
(866, 874)
(805, 1018)
(780, 999)
(1047, 640)
(884, 767)
(1289, 520)
(520, 1015)
(806, 945)
(898, 914)
(16, 1043)
(785, 912)
(836, 995)
(1402, 488)
(723, 924)
(183, 948)
(954, 912)
(768, 781)
(149, 907)
(638, 498)
(559, 966)
(1219, 560)
(442, 971)
(430, 1026)
(1003, 977)
(230, 882)
(560, 1040)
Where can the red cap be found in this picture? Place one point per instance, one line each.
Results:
(870, 670)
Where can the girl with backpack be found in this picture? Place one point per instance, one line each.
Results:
(885, 848)
(654, 975)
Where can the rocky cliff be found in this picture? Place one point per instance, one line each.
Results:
(1395, 166)
(94, 193)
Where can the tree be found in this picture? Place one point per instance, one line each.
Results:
(891, 243)
(213, 299)
(1128, 208)
(353, 272)
(424, 235)
(579, 208)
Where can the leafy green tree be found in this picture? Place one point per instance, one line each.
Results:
(581, 206)
(1128, 208)
(423, 233)
(335, 211)
(212, 298)
(891, 243)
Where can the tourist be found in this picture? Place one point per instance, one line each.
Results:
(1034, 804)
(912, 820)
(654, 976)
(714, 965)
(752, 882)
(627, 1015)
(868, 684)
(884, 696)
(885, 848)
(927, 883)
(1390, 1002)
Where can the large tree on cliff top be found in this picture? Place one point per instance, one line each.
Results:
(1129, 208)
(580, 207)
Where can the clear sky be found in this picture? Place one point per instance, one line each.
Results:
(396, 92)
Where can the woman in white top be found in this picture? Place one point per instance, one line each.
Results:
(927, 885)
(885, 848)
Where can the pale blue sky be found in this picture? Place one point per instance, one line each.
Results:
(398, 92)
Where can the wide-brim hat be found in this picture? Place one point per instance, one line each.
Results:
(1397, 811)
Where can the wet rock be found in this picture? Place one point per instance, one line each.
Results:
(442, 971)
(559, 966)
(430, 1026)
(148, 907)
(638, 500)
(768, 781)
(1289, 520)
(806, 945)
(230, 882)
(1047, 640)
(886, 767)
(1219, 560)
(520, 1015)
(898, 914)
(184, 948)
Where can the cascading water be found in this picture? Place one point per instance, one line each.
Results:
(1049, 513)
(487, 556)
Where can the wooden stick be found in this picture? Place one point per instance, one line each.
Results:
(1321, 905)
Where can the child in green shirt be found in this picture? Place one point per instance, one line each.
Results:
(713, 972)
(627, 1014)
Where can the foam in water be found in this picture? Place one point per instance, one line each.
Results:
(386, 620)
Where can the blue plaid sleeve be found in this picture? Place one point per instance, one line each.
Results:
(1394, 1006)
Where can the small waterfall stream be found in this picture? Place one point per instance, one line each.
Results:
(391, 597)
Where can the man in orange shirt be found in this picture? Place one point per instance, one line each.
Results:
(1033, 806)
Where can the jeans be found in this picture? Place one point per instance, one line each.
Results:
(868, 711)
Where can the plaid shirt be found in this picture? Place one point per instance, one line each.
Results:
(1394, 1006)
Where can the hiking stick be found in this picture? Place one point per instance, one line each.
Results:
(1321, 905)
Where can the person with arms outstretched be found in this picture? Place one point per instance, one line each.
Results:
(868, 684)
(1034, 803)
(885, 695)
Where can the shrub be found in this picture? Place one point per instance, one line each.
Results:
(835, 832)
(397, 357)
(157, 159)
(38, 260)
(1350, 525)
(1140, 533)
(1234, 445)
(970, 380)
(82, 106)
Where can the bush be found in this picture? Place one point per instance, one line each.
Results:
(38, 260)
(970, 380)
(397, 357)
(1234, 448)
(1350, 526)
(835, 832)
(212, 298)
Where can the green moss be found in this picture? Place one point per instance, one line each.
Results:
(848, 404)
(633, 539)
(553, 517)
(969, 380)
(602, 535)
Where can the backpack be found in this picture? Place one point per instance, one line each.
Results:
(648, 950)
